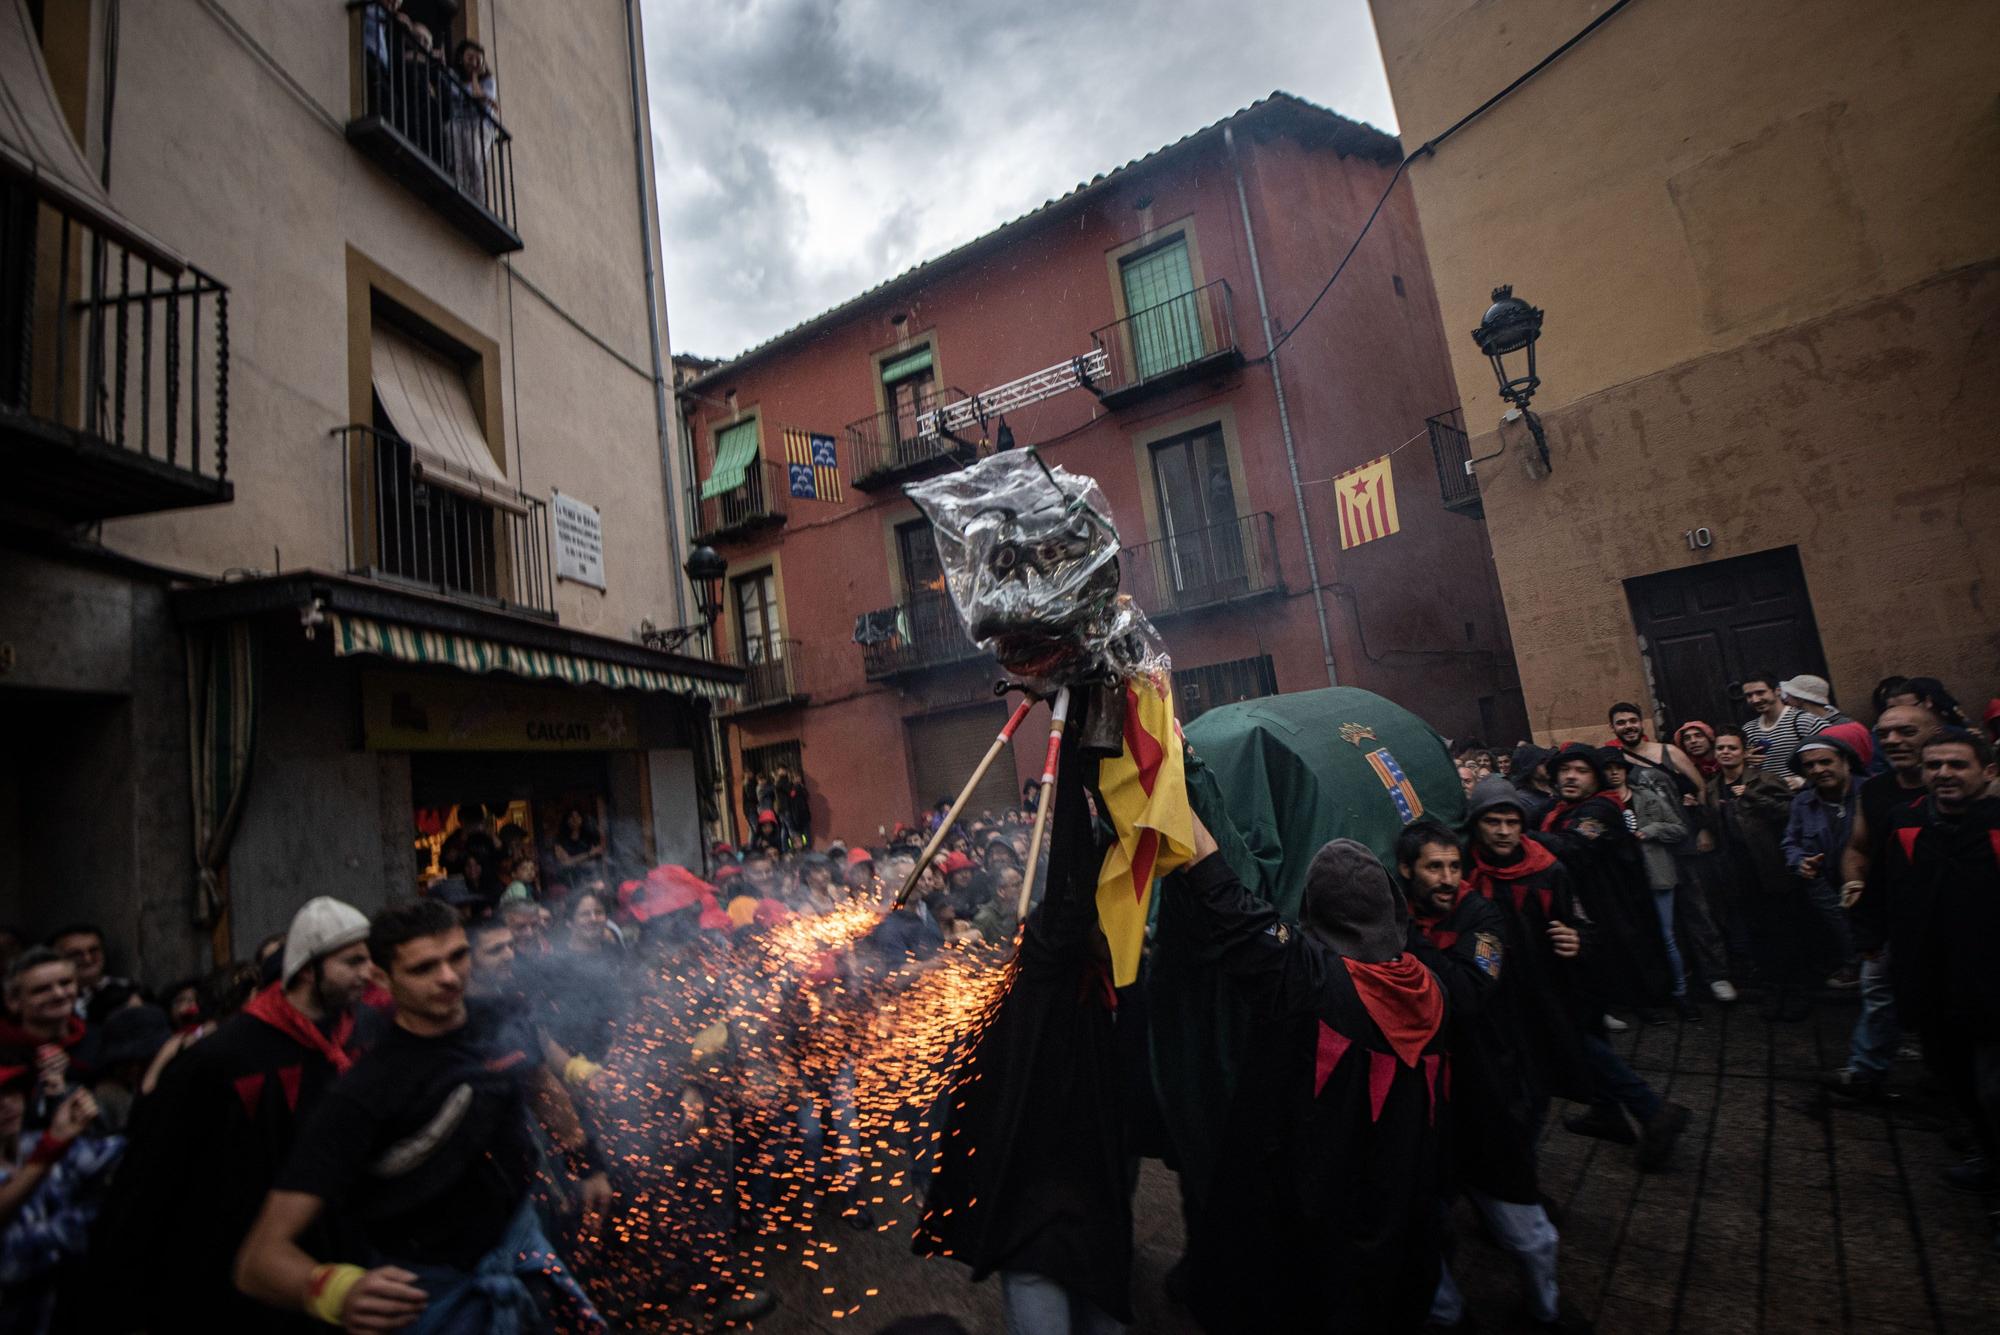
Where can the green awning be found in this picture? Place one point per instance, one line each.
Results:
(906, 366)
(735, 449)
(406, 644)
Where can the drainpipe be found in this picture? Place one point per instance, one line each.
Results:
(1284, 415)
(660, 420)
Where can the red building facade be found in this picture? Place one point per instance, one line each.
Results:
(1264, 567)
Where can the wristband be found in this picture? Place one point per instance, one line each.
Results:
(327, 1294)
(49, 1150)
(578, 1070)
(1854, 885)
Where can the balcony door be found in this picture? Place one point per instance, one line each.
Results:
(760, 634)
(929, 623)
(909, 387)
(1159, 299)
(1200, 557)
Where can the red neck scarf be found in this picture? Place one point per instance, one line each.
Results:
(272, 1007)
(1431, 923)
(1404, 1001)
(1487, 877)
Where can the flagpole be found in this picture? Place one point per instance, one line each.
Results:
(965, 795)
(1058, 715)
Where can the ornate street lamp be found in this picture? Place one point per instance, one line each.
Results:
(1507, 334)
(705, 571)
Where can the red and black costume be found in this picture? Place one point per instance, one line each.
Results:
(1496, 1103)
(1532, 890)
(205, 1148)
(1627, 960)
(1935, 903)
(1323, 1214)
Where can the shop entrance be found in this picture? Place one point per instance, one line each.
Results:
(493, 790)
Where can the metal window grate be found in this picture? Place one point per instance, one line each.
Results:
(1198, 690)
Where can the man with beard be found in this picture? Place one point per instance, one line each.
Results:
(1562, 1021)
(1496, 1104)
(1936, 905)
(1324, 1213)
(209, 1142)
(426, 1153)
(1901, 732)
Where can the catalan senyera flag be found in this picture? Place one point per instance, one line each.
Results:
(812, 463)
(1145, 794)
(1367, 499)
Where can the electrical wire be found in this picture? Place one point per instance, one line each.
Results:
(1425, 149)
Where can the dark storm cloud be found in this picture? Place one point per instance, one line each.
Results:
(809, 149)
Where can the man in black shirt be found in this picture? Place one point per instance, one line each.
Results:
(425, 1152)
(1901, 732)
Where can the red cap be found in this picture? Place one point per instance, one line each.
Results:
(1993, 709)
(857, 856)
(767, 815)
(823, 969)
(955, 862)
(724, 873)
(714, 920)
(771, 912)
(1856, 736)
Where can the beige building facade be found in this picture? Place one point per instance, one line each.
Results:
(446, 481)
(1764, 240)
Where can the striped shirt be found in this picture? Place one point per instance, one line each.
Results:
(1778, 740)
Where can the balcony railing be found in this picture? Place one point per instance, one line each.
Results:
(763, 501)
(922, 633)
(1203, 567)
(414, 115)
(1450, 447)
(415, 522)
(114, 370)
(777, 672)
(1168, 344)
(891, 446)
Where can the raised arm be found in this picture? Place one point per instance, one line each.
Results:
(1240, 933)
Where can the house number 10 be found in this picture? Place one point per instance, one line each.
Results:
(1698, 538)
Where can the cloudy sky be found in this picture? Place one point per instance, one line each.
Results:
(808, 149)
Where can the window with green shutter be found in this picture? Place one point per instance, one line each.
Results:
(735, 451)
(1160, 306)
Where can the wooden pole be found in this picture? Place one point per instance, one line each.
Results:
(937, 838)
(1058, 716)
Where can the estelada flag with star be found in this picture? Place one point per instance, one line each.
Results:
(1144, 789)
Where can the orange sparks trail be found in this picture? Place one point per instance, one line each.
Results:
(768, 1095)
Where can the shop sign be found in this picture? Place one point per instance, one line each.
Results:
(413, 713)
(579, 534)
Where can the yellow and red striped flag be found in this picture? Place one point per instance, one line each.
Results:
(1145, 794)
(1367, 500)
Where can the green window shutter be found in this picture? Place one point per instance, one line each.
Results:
(735, 450)
(1166, 327)
(907, 365)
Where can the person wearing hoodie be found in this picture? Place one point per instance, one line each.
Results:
(1653, 814)
(209, 1142)
(1528, 772)
(1497, 1104)
(1563, 1026)
(1323, 1214)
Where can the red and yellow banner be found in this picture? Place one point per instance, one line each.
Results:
(1145, 794)
(1367, 499)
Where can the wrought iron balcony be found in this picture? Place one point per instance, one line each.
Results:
(114, 370)
(415, 117)
(777, 674)
(763, 501)
(890, 447)
(920, 634)
(414, 521)
(1168, 344)
(1451, 448)
(1203, 567)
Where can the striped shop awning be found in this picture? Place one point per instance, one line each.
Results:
(365, 635)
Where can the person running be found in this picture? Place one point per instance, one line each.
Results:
(1497, 1105)
(425, 1150)
(207, 1145)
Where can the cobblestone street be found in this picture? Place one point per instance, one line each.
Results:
(1778, 1213)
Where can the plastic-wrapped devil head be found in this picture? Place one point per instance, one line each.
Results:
(1031, 558)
